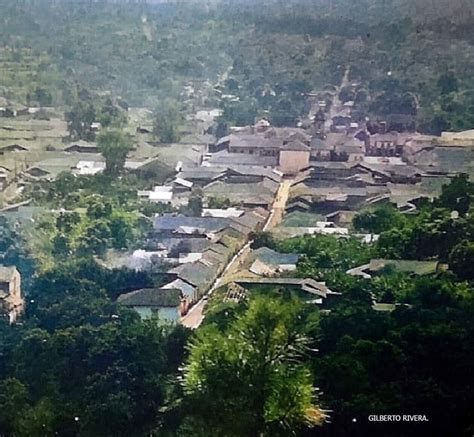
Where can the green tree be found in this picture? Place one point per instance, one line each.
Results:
(457, 195)
(448, 83)
(461, 260)
(378, 220)
(13, 404)
(43, 97)
(250, 380)
(167, 122)
(114, 146)
(79, 120)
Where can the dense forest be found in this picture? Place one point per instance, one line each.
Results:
(268, 57)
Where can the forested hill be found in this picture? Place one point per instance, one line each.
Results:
(369, 10)
(408, 58)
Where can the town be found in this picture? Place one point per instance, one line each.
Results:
(286, 181)
(236, 218)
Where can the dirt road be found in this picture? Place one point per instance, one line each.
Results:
(196, 315)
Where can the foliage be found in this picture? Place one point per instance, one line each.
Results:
(91, 358)
(167, 122)
(457, 195)
(80, 119)
(461, 260)
(114, 146)
(249, 379)
(378, 220)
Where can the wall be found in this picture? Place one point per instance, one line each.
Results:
(166, 315)
(292, 161)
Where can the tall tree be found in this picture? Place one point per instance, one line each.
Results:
(114, 146)
(167, 122)
(249, 379)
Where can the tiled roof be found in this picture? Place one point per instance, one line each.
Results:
(171, 223)
(271, 257)
(151, 297)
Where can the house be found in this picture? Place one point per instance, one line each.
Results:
(251, 174)
(222, 213)
(11, 300)
(96, 126)
(200, 274)
(4, 175)
(161, 194)
(398, 174)
(249, 195)
(387, 144)
(251, 144)
(286, 147)
(166, 304)
(318, 291)
(331, 171)
(462, 139)
(320, 150)
(12, 148)
(227, 159)
(38, 172)
(89, 168)
(82, 147)
(181, 185)
(267, 262)
(188, 227)
(201, 176)
(380, 266)
(294, 157)
(188, 292)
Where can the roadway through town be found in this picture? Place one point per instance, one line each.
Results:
(195, 316)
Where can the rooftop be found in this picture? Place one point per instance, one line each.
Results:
(151, 297)
(7, 273)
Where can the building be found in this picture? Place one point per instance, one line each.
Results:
(251, 145)
(294, 157)
(11, 301)
(286, 148)
(388, 144)
(82, 147)
(465, 138)
(166, 304)
(267, 262)
(381, 266)
(317, 292)
(4, 175)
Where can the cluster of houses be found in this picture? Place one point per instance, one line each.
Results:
(335, 168)
(197, 251)
(11, 299)
(332, 176)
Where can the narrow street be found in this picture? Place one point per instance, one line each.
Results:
(196, 315)
(337, 107)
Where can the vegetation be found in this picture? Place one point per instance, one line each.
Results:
(114, 145)
(250, 379)
(78, 364)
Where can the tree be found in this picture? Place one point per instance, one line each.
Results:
(114, 146)
(378, 220)
(262, 239)
(448, 83)
(249, 380)
(461, 260)
(13, 403)
(43, 97)
(457, 195)
(80, 119)
(167, 123)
